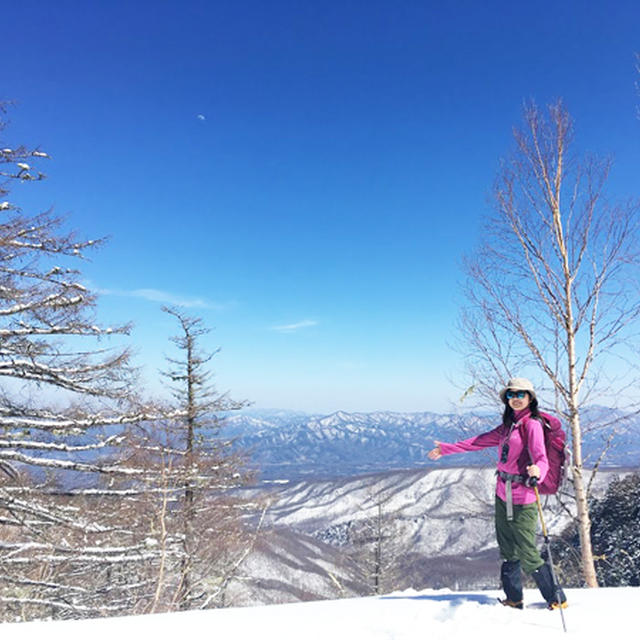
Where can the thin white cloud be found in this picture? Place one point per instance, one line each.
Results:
(290, 328)
(157, 295)
(164, 297)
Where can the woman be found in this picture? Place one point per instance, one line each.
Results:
(519, 436)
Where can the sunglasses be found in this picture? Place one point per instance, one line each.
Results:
(515, 394)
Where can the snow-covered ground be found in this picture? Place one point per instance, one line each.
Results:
(408, 615)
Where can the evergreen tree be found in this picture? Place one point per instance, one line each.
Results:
(615, 536)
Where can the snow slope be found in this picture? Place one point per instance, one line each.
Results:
(408, 615)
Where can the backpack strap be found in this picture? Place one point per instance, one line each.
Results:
(510, 478)
(525, 458)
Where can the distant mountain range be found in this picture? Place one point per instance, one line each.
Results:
(293, 445)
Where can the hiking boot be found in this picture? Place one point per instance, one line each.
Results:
(512, 604)
(550, 592)
(511, 579)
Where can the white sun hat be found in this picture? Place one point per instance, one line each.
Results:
(518, 384)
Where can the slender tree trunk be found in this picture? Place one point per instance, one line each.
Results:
(582, 507)
(584, 521)
(188, 515)
(377, 562)
(163, 542)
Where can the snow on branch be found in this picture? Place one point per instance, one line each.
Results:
(55, 301)
(59, 604)
(70, 465)
(60, 446)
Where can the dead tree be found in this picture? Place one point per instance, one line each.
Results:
(206, 515)
(552, 290)
(376, 547)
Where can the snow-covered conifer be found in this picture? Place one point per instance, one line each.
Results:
(66, 393)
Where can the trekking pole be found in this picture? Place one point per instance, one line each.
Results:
(534, 483)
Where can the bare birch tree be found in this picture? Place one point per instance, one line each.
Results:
(552, 290)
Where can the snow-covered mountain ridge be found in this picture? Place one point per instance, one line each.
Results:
(290, 445)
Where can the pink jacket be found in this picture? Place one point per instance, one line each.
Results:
(496, 438)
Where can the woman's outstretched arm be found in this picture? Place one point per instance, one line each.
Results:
(483, 441)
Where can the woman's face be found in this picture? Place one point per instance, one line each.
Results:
(518, 400)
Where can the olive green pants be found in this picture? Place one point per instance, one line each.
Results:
(517, 537)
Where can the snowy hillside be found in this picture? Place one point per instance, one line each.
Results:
(438, 511)
(409, 615)
(439, 521)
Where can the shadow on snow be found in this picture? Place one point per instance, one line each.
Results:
(455, 599)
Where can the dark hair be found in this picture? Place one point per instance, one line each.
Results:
(507, 416)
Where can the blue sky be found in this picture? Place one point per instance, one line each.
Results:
(304, 176)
